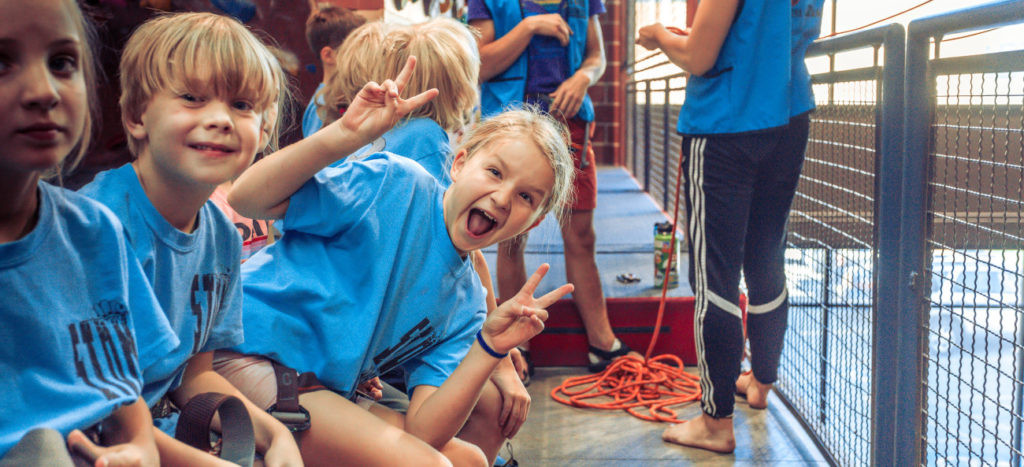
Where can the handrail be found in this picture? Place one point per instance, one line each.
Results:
(980, 17)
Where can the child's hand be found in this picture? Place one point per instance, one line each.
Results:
(378, 107)
(372, 387)
(127, 454)
(647, 36)
(515, 400)
(282, 452)
(521, 317)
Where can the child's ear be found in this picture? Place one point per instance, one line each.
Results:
(457, 164)
(327, 58)
(264, 136)
(269, 122)
(134, 126)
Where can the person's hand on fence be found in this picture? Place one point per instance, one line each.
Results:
(551, 24)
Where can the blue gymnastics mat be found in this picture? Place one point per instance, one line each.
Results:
(624, 223)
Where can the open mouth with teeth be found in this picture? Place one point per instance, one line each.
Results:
(211, 147)
(480, 223)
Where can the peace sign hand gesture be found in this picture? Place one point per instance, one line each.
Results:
(378, 107)
(521, 317)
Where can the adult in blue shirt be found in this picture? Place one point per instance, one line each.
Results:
(744, 125)
(547, 53)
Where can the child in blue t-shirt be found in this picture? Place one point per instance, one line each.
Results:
(326, 29)
(373, 273)
(79, 318)
(743, 153)
(447, 59)
(200, 95)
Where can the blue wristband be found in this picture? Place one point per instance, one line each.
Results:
(487, 348)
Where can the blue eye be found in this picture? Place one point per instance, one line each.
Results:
(494, 172)
(527, 197)
(244, 106)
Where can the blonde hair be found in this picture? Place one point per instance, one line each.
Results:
(363, 54)
(200, 53)
(87, 64)
(551, 136)
(447, 59)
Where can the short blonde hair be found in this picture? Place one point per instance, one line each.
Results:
(363, 55)
(446, 59)
(200, 53)
(550, 135)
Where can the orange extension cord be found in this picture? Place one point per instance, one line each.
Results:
(654, 383)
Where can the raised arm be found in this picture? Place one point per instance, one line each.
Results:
(263, 190)
(697, 51)
(497, 55)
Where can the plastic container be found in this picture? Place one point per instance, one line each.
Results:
(662, 247)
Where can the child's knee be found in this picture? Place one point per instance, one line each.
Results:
(461, 453)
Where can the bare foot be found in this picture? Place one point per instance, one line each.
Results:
(753, 390)
(703, 432)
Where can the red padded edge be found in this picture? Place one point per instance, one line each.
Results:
(564, 342)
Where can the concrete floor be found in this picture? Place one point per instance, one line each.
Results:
(559, 435)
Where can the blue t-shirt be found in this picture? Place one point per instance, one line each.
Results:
(79, 320)
(748, 88)
(310, 120)
(365, 279)
(195, 276)
(548, 63)
(805, 29)
(419, 139)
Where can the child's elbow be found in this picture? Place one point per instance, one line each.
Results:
(699, 67)
(240, 203)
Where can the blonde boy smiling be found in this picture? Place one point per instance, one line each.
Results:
(199, 99)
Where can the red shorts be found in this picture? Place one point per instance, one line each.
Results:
(585, 184)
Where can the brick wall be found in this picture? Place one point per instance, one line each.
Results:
(609, 93)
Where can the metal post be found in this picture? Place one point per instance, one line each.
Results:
(665, 149)
(885, 320)
(1018, 396)
(911, 280)
(826, 291)
(647, 136)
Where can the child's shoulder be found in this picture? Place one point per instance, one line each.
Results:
(112, 187)
(77, 211)
(216, 224)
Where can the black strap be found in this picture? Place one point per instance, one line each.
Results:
(238, 442)
(287, 409)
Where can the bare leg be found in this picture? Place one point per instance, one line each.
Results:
(703, 432)
(581, 271)
(482, 428)
(755, 391)
(511, 269)
(344, 433)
